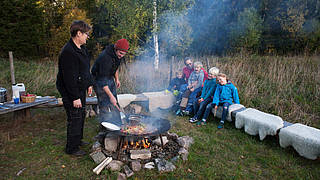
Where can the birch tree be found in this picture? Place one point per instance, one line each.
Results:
(155, 36)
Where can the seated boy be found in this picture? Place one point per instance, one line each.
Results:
(176, 83)
(225, 94)
(206, 97)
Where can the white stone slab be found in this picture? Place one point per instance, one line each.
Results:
(232, 107)
(257, 122)
(304, 139)
(125, 99)
(159, 100)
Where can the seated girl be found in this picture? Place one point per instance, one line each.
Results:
(195, 82)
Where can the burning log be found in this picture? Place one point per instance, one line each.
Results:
(102, 165)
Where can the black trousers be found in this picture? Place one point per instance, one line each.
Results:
(75, 124)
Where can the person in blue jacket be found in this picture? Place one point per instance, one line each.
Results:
(225, 95)
(207, 93)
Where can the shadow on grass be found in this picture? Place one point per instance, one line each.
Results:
(36, 148)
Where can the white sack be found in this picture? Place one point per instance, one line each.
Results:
(257, 122)
(304, 139)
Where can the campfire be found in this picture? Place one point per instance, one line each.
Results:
(136, 144)
(142, 142)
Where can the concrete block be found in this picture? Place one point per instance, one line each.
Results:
(304, 139)
(257, 122)
(140, 154)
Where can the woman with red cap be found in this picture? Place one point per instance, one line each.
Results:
(106, 74)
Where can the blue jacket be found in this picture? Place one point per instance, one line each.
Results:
(209, 88)
(226, 93)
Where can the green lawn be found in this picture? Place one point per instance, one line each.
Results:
(37, 145)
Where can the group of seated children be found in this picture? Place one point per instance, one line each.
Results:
(216, 91)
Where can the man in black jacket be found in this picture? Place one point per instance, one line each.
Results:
(73, 80)
(105, 72)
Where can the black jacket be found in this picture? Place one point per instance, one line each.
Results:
(106, 65)
(74, 71)
(177, 82)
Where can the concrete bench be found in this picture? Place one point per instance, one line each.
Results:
(257, 122)
(304, 139)
(160, 99)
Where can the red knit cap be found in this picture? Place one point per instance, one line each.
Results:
(122, 44)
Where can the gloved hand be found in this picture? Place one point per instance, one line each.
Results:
(167, 91)
(175, 92)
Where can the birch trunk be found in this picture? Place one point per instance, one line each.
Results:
(155, 36)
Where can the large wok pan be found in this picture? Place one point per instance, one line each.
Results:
(154, 125)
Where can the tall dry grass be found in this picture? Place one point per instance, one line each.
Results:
(284, 86)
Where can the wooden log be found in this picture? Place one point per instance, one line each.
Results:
(171, 64)
(102, 165)
(12, 68)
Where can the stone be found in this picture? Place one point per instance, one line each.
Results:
(121, 176)
(111, 142)
(140, 154)
(136, 166)
(174, 136)
(149, 165)
(158, 141)
(137, 108)
(159, 100)
(115, 165)
(96, 146)
(304, 139)
(257, 122)
(185, 141)
(232, 108)
(92, 113)
(174, 159)
(97, 156)
(128, 171)
(184, 153)
(164, 165)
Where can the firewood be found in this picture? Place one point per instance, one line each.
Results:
(102, 165)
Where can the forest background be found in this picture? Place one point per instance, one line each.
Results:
(39, 28)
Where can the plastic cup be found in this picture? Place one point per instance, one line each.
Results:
(16, 100)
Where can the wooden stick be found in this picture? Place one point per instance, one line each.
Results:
(102, 165)
(208, 65)
(12, 68)
(171, 64)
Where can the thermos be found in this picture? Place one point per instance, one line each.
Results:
(3, 95)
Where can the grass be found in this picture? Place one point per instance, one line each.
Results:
(38, 146)
(285, 86)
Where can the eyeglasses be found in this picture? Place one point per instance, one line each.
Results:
(122, 53)
(190, 64)
(87, 33)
